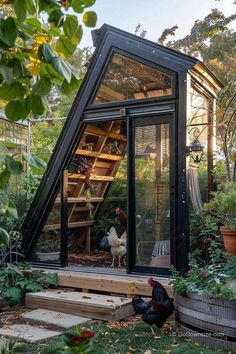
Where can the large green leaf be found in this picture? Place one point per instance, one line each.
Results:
(16, 110)
(14, 166)
(31, 6)
(51, 279)
(12, 91)
(77, 36)
(4, 178)
(3, 149)
(42, 87)
(13, 296)
(56, 18)
(34, 23)
(12, 210)
(65, 47)
(90, 18)
(37, 106)
(8, 32)
(88, 3)
(77, 6)
(62, 68)
(7, 73)
(10, 144)
(67, 88)
(46, 53)
(20, 9)
(70, 25)
(4, 237)
(34, 161)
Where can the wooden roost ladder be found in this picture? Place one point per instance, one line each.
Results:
(104, 168)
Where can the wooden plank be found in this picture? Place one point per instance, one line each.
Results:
(88, 239)
(102, 307)
(82, 200)
(128, 285)
(81, 209)
(71, 225)
(103, 164)
(97, 131)
(92, 178)
(99, 155)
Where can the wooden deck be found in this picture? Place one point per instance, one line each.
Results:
(108, 283)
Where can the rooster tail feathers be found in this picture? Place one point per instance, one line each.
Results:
(140, 306)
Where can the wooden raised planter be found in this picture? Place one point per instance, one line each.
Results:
(208, 320)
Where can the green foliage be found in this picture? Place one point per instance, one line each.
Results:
(204, 229)
(114, 338)
(223, 205)
(212, 41)
(8, 347)
(210, 279)
(77, 340)
(35, 51)
(17, 280)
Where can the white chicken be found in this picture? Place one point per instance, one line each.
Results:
(118, 245)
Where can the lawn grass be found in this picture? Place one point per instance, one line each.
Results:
(137, 339)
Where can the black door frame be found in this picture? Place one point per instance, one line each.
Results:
(160, 113)
(164, 118)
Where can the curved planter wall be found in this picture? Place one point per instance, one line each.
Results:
(211, 321)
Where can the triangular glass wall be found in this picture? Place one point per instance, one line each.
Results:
(128, 79)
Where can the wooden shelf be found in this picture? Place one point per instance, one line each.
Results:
(92, 178)
(97, 131)
(72, 225)
(98, 155)
(82, 200)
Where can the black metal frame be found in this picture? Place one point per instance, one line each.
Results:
(109, 40)
(169, 119)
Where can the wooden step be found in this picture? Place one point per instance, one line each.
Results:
(120, 284)
(97, 131)
(82, 200)
(102, 307)
(99, 155)
(92, 178)
(71, 225)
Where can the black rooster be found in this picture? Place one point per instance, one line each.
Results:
(158, 309)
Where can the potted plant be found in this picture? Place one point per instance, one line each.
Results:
(205, 299)
(223, 207)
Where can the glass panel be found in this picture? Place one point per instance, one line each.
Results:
(96, 189)
(127, 79)
(48, 245)
(152, 195)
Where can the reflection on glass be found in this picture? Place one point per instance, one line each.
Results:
(152, 195)
(127, 79)
(47, 248)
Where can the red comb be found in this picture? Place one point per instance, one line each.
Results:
(117, 210)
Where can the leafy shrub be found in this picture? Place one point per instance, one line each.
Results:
(223, 205)
(211, 279)
(17, 280)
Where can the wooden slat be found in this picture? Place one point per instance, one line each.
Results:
(103, 164)
(82, 200)
(81, 209)
(98, 155)
(108, 283)
(71, 225)
(97, 131)
(92, 178)
(103, 307)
